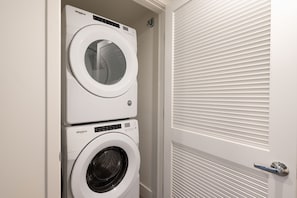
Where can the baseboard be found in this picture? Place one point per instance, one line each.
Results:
(145, 192)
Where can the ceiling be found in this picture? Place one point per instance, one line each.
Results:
(124, 11)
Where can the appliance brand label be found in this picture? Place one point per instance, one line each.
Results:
(79, 12)
(81, 131)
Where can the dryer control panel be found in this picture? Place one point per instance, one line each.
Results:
(103, 20)
(108, 128)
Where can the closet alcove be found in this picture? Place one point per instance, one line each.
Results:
(149, 114)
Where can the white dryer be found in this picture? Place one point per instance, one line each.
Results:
(99, 68)
(101, 160)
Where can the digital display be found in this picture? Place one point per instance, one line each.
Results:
(108, 128)
(106, 21)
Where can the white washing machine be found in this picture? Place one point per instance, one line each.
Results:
(101, 160)
(99, 68)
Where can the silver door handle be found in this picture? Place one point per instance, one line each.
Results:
(277, 168)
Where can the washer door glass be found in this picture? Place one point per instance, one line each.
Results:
(105, 62)
(107, 169)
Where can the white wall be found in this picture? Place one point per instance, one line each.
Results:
(147, 93)
(23, 98)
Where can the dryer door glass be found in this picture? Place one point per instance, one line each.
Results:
(107, 169)
(105, 62)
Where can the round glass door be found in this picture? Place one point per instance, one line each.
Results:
(105, 62)
(107, 169)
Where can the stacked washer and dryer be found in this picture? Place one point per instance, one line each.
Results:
(100, 155)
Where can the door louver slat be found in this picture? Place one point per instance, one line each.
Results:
(196, 174)
(221, 70)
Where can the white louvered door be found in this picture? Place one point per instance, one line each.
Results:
(230, 98)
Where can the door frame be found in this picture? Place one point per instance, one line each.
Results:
(53, 99)
(158, 136)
